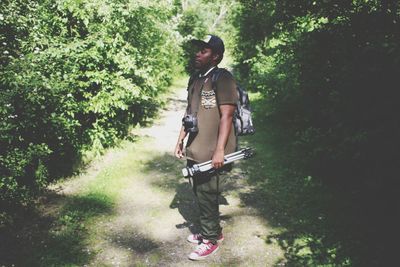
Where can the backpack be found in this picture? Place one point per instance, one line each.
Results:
(242, 121)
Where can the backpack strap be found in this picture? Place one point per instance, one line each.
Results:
(214, 78)
(192, 78)
(189, 95)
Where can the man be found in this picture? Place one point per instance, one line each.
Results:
(211, 139)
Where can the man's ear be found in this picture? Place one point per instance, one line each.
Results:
(216, 57)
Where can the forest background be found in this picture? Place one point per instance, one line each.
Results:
(77, 75)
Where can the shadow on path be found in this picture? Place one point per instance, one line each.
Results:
(316, 224)
(57, 237)
(167, 169)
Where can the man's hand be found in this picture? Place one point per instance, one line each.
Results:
(179, 145)
(179, 150)
(218, 159)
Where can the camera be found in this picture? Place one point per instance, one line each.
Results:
(189, 122)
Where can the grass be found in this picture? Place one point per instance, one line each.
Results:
(59, 236)
(70, 232)
(63, 236)
(315, 224)
(72, 226)
(294, 202)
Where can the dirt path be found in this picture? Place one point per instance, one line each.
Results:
(155, 212)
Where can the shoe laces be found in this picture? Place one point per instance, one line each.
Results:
(203, 247)
(198, 237)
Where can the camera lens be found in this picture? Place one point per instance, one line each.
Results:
(190, 123)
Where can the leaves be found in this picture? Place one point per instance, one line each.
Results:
(74, 75)
(328, 71)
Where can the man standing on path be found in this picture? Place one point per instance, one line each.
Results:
(208, 121)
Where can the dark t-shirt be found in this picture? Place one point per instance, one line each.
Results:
(202, 98)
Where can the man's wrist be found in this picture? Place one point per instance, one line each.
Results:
(220, 149)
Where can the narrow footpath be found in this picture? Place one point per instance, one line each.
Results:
(154, 210)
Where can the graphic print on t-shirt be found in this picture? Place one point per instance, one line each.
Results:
(208, 99)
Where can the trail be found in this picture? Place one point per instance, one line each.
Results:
(155, 211)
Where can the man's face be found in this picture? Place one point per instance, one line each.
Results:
(204, 58)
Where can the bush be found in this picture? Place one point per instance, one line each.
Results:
(329, 71)
(75, 75)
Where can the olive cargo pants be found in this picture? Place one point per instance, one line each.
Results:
(207, 189)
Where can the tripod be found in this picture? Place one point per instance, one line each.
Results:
(206, 166)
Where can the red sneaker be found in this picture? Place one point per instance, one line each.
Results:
(203, 250)
(197, 238)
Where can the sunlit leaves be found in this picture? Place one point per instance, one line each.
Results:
(75, 74)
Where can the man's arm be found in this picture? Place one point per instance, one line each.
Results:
(225, 127)
(179, 145)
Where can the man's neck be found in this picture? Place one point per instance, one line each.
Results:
(206, 71)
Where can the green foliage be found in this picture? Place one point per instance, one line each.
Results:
(322, 67)
(328, 71)
(191, 25)
(74, 75)
(198, 18)
(254, 21)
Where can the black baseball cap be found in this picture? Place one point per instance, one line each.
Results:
(211, 41)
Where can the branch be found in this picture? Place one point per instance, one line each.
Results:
(222, 12)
